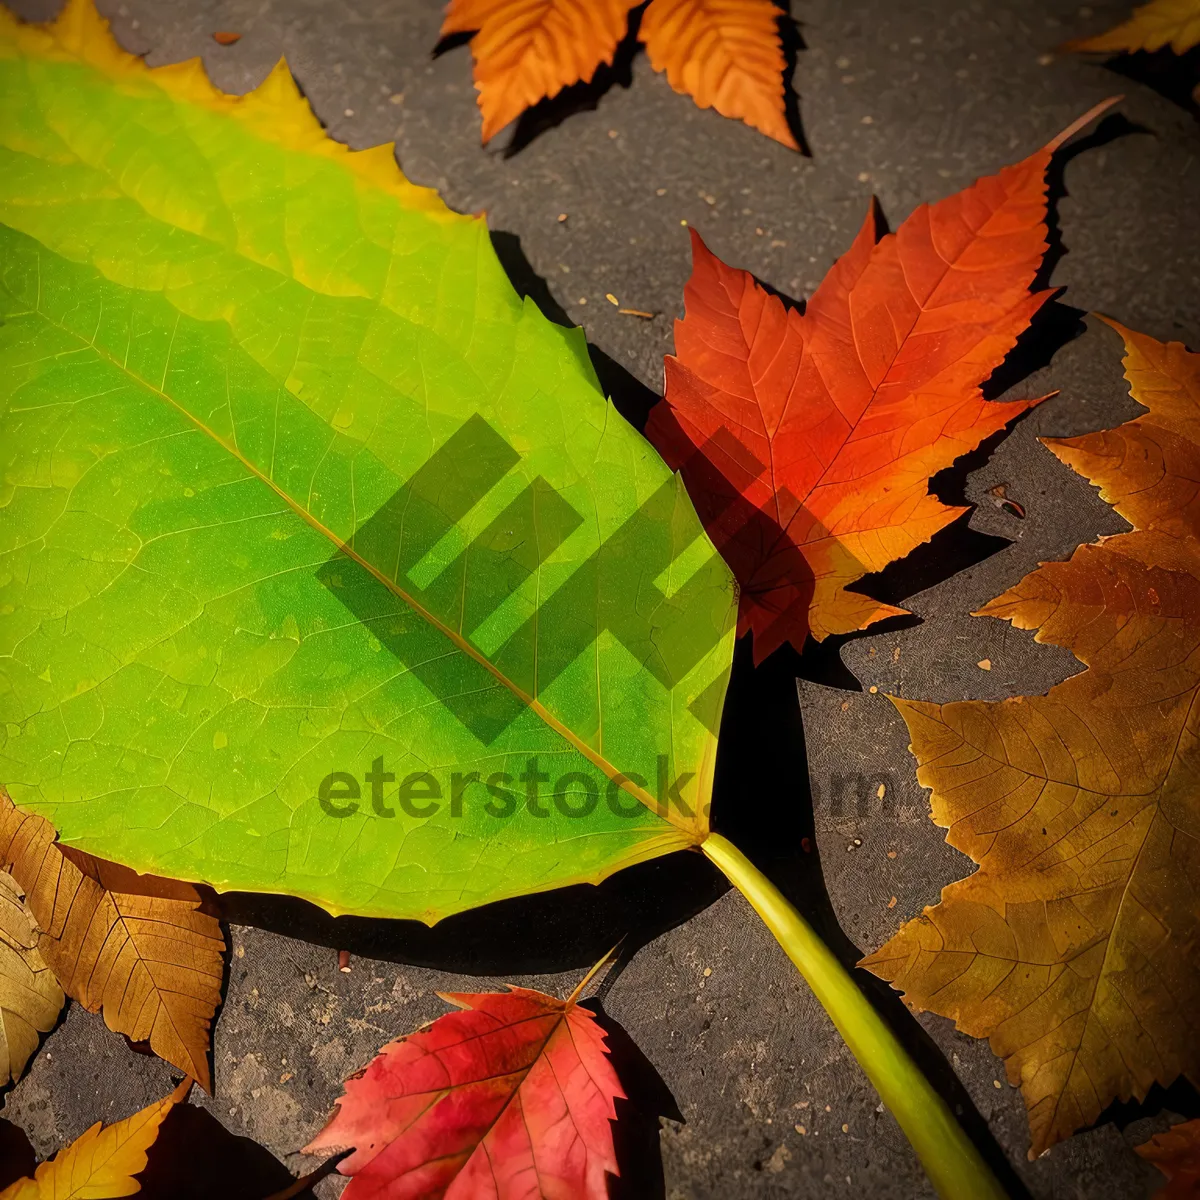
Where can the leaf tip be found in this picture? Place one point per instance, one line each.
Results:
(81, 17)
(279, 82)
(573, 998)
(1113, 323)
(496, 112)
(326, 1142)
(84, 32)
(699, 245)
(458, 999)
(779, 131)
(203, 1074)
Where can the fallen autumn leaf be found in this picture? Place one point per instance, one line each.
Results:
(30, 998)
(725, 54)
(1071, 947)
(136, 948)
(511, 1097)
(525, 52)
(808, 439)
(102, 1163)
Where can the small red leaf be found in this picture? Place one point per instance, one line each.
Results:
(807, 440)
(225, 38)
(510, 1098)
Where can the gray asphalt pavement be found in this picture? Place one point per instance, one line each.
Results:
(758, 1096)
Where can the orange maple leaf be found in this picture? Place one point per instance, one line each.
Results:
(725, 54)
(807, 440)
(528, 50)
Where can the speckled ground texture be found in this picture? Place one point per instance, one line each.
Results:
(905, 101)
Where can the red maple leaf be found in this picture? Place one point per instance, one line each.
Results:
(511, 1098)
(807, 439)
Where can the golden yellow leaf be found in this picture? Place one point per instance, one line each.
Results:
(135, 947)
(1174, 23)
(102, 1162)
(1073, 947)
(30, 998)
(528, 50)
(725, 54)
(1176, 1154)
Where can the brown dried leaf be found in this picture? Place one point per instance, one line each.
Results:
(1073, 946)
(134, 947)
(30, 998)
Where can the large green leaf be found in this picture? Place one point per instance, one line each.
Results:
(293, 481)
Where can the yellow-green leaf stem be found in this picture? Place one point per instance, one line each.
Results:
(950, 1159)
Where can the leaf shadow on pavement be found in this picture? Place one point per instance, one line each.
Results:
(195, 1157)
(1182, 1099)
(568, 929)
(647, 1099)
(1175, 77)
(1030, 352)
(17, 1158)
(793, 44)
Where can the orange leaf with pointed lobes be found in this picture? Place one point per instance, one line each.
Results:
(529, 50)
(807, 440)
(725, 54)
(1072, 947)
(512, 1097)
